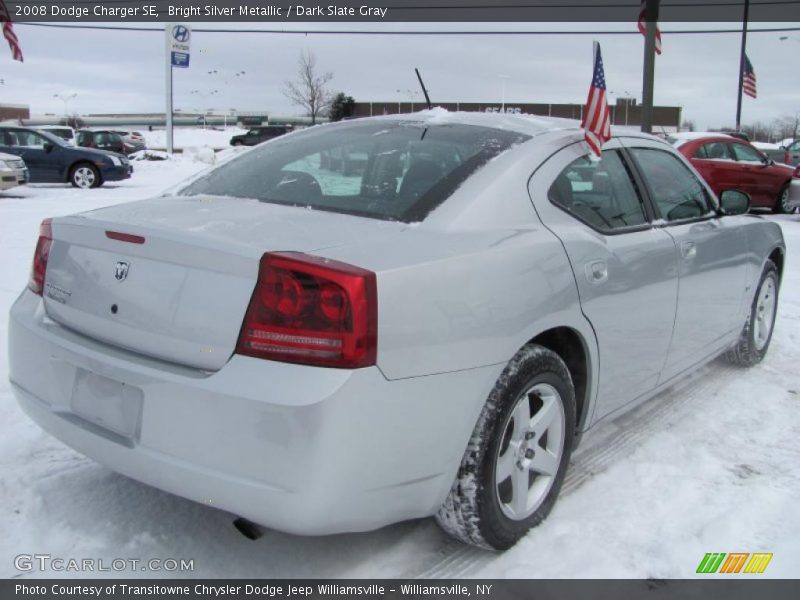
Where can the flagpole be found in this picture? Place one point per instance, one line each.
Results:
(651, 15)
(741, 66)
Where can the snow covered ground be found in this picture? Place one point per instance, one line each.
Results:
(192, 137)
(712, 465)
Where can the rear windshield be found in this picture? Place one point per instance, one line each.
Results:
(396, 170)
(62, 133)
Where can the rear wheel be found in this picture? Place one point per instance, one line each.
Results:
(757, 333)
(782, 201)
(516, 459)
(85, 175)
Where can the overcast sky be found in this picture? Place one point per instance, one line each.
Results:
(113, 71)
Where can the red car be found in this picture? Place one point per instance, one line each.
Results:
(728, 163)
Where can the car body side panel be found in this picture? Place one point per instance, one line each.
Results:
(475, 282)
(632, 311)
(712, 276)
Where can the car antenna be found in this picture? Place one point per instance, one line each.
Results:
(422, 85)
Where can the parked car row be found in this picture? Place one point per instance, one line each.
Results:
(728, 162)
(48, 158)
(121, 142)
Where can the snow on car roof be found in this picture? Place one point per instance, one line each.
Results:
(532, 125)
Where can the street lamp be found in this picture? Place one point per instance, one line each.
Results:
(227, 77)
(205, 97)
(503, 78)
(627, 97)
(411, 94)
(65, 97)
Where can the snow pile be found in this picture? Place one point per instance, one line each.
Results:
(192, 137)
(202, 154)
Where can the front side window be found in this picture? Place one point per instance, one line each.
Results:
(601, 193)
(677, 193)
(394, 170)
(26, 139)
(745, 153)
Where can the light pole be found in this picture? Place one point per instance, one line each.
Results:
(227, 78)
(205, 97)
(411, 95)
(503, 79)
(627, 97)
(65, 97)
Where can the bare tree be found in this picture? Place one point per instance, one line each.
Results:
(787, 126)
(688, 125)
(309, 89)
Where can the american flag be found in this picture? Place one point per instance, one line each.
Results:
(643, 27)
(749, 78)
(8, 32)
(596, 116)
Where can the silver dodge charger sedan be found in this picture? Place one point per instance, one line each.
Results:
(426, 331)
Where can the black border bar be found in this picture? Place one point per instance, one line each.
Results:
(344, 11)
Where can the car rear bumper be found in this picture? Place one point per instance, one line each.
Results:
(305, 450)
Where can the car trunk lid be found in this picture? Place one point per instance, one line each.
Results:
(171, 278)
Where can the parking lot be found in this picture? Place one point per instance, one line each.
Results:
(710, 465)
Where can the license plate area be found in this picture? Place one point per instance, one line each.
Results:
(110, 405)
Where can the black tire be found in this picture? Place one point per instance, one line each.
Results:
(85, 175)
(236, 143)
(782, 201)
(472, 511)
(747, 351)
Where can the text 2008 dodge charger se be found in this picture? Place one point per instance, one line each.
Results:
(429, 333)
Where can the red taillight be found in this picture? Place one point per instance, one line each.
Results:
(310, 310)
(786, 158)
(40, 255)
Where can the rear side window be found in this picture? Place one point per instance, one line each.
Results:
(393, 170)
(601, 193)
(677, 193)
(714, 150)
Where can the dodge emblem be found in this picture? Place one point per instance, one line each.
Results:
(122, 271)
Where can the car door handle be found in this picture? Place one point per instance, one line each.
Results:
(688, 250)
(596, 271)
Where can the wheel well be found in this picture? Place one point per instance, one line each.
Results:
(777, 257)
(568, 344)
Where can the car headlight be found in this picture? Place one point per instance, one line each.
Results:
(116, 161)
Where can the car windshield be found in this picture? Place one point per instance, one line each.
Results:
(393, 170)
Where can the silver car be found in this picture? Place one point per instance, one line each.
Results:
(323, 351)
(13, 171)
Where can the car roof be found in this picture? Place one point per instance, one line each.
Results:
(532, 125)
(680, 139)
(52, 127)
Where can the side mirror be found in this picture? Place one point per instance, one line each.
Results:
(48, 147)
(734, 202)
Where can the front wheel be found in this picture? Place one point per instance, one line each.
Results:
(515, 463)
(757, 333)
(85, 176)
